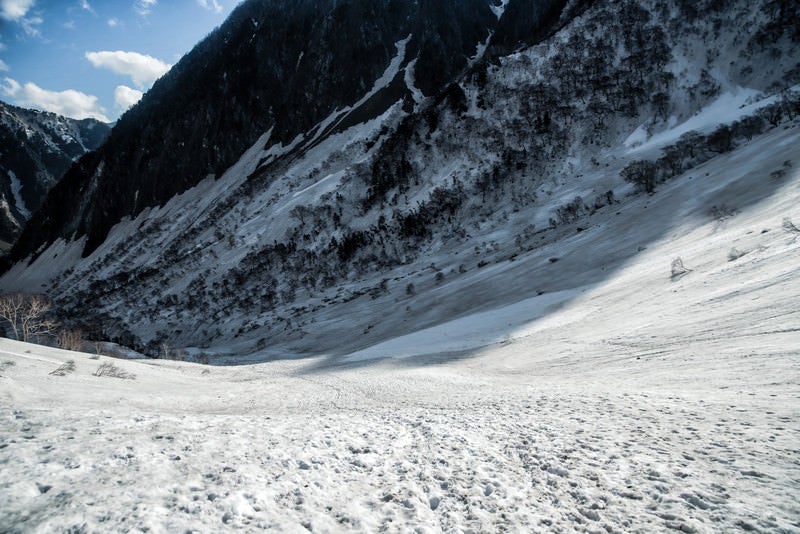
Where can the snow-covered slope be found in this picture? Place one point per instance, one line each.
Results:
(383, 223)
(558, 295)
(630, 401)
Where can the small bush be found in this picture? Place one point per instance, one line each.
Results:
(678, 269)
(789, 226)
(723, 212)
(65, 369)
(734, 254)
(6, 365)
(109, 369)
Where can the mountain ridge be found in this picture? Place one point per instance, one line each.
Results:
(36, 149)
(160, 148)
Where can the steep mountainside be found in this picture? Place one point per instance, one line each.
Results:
(273, 66)
(387, 174)
(36, 149)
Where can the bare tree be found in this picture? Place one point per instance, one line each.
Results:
(34, 320)
(27, 315)
(643, 174)
(11, 309)
(71, 340)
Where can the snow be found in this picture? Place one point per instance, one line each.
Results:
(391, 71)
(637, 138)
(474, 331)
(566, 384)
(410, 80)
(625, 401)
(329, 182)
(16, 192)
(499, 10)
(728, 107)
(384, 80)
(480, 50)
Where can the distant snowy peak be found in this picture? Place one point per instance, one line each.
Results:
(36, 149)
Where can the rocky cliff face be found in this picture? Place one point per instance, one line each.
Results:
(286, 188)
(36, 149)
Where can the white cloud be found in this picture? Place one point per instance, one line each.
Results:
(11, 87)
(211, 4)
(144, 7)
(142, 69)
(87, 7)
(113, 22)
(15, 9)
(125, 96)
(69, 103)
(30, 25)
(4, 66)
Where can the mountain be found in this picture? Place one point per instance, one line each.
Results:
(271, 66)
(323, 176)
(36, 149)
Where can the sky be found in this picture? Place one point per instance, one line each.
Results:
(95, 58)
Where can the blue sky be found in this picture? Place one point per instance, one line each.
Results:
(94, 58)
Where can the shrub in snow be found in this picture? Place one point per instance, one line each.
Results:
(789, 226)
(678, 269)
(109, 369)
(735, 254)
(65, 369)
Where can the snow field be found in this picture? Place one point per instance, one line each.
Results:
(386, 449)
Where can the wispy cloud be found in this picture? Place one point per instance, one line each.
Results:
(10, 87)
(31, 25)
(4, 66)
(69, 103)
(125, 96)
(15, 9)
(144, 7)
(87, 7)
(142, 69)
(212, 5)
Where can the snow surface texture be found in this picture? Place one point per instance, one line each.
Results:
(639, 403)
